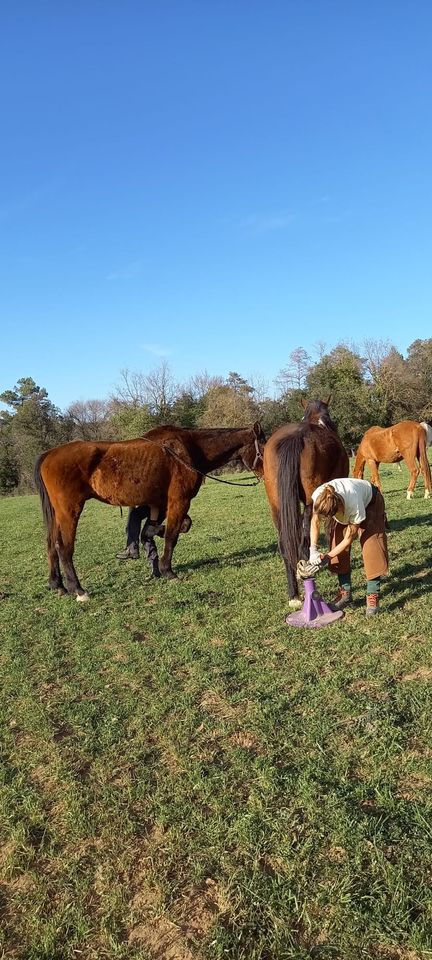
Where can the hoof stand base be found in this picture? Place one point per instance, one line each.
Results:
(315, 611)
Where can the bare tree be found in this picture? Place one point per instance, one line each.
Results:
(156, 390)
(90, 418)
(293, 377)
(201, 383)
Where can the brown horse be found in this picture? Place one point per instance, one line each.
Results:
(297, 459)
(163, 469)
(406, 441)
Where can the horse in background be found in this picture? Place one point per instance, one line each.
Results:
(298, 458)
(406, 441)
(163, 469)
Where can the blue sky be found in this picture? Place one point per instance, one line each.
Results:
(214, 182)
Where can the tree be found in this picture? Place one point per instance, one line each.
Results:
(294, 375)
(341, 374)
(35, 425)
(231, 404)
(419, 363)
(155, 390)
(91, 419)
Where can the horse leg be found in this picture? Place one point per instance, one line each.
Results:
(55, 579)
(414, 470)
(176, 514)
(67, 524)
(359, 466)
(375, 479)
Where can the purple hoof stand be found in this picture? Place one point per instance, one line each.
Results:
(315, 612)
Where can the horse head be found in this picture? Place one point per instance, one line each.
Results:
(252, 452)
(316, 411)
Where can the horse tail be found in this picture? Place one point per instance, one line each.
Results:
(47, 507)
(290, 518)
(423, 458)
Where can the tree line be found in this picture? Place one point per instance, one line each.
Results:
(374, 385)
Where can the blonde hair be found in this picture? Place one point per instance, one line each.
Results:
(328, 502)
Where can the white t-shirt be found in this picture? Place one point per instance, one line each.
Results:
(357, 495)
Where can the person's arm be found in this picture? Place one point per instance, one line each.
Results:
(350, 535)
(314, 553)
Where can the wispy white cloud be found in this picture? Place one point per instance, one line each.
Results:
(130, 270)
(155, 349)
(267, 223)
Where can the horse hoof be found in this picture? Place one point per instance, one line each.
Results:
(409, 494)
(295, 604)
(168, 574)
(427, 495)
(82, 597)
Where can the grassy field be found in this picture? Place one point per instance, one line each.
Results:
(183, 776)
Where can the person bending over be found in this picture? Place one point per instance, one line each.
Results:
(152, 527)
(355, 508)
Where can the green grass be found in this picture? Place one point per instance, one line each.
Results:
(183, 776)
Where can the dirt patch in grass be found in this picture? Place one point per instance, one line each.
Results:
(194, 918)
(162, 939)
(422, 673)
(247, 740)
(414, 786)
(213, 703)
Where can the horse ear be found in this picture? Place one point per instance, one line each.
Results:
(303, 402)
(328, 401)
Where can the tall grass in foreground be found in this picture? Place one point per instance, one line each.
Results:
(183, 776)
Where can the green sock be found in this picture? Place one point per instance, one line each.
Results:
(345, 581)
(373, 586)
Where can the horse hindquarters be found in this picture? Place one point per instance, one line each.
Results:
(61, 519)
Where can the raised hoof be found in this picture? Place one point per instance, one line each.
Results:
(128, 554)
(295, 603)
(82, 597)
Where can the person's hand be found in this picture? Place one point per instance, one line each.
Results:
(314, 554)
(325, 559)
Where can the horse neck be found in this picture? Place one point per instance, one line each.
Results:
(218, 446)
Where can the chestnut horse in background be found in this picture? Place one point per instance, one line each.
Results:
(406, 441)
(298, 458)
(163, 469)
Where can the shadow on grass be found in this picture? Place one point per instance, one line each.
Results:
(256, 553)
(402, 523)
(406, 585)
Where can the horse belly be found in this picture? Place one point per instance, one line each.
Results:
(127, 485)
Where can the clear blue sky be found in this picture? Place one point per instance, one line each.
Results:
(211, 181)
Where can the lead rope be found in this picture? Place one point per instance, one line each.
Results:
(230, 483)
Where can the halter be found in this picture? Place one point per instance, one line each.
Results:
(258, 456)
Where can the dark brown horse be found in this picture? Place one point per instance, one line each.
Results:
(406, 441)
(298, 458)
(164, 469)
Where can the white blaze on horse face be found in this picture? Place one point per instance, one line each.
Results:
(428, 430)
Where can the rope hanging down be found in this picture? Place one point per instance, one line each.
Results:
(230, 483)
